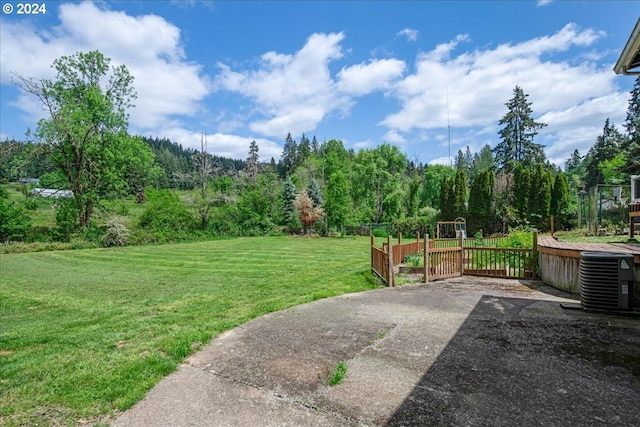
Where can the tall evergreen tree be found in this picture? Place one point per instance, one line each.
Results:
(606, 147)
(460, 195)
(483, 160)
(252, 162)
(522, 191)
(289, 158)
(632, 125)
(315, 147)
(304, 149)
(517, 134)
(480, 215)
(573, 162)
(560, 201)
(315, 193)
(447, 199)
(289, 211)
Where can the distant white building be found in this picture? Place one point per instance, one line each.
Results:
(51, 192)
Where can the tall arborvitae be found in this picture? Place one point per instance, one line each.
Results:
(460, 195)
(560, 202)
(522, 192)
(447, 200)
(480, 215)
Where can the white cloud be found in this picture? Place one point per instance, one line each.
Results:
(226, 145)
(411, 35)
(361, 79)
(477, 84)
(295, 92)
(148, 45)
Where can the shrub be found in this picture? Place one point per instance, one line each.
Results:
(167, 215)
(117, 232)
(15, 224)
(66, 219)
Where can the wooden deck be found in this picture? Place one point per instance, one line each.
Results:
(560, 261)
(549, 245)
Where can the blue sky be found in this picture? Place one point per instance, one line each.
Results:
(365, 72)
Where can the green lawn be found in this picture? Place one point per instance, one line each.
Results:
(87, 332)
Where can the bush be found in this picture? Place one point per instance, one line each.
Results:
(117, 232)
(66, 219)
(166, 216)
(15, 224)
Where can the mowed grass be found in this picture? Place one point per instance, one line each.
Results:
(86, 333)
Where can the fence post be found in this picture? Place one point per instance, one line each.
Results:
(534, 256)
(553, 231)
(371, 248)
(399, 238)
(461, 254)
(390, 260)
(426, 258)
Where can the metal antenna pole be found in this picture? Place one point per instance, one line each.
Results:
(449, 128)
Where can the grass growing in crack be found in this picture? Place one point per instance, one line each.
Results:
(336, 376)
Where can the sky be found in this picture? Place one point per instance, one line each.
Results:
(431, 77)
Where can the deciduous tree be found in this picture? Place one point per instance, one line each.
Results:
(85, 132)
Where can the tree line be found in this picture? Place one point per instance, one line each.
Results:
(314, 186)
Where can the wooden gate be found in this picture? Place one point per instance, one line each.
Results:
(445, 258)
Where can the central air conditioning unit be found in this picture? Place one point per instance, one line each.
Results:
(606, 280)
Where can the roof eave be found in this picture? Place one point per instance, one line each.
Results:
(630, 52)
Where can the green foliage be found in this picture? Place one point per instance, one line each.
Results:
(560, 202)
(606, 147)
(337, 199)
(516, 136)
(460, 195)
(289, 195)
(166, 216)
(15, 224)
(86, 128)
(66, 219)
(480, 214)
(423, 223)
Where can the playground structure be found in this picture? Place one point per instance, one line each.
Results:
(604, 208)
(451, 229)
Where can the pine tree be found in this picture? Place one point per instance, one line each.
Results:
(606, 147)
(517, 134)
(315, 193)
(252, 162)
(288, 202)
(289, 157)
(315, 147)
(573, 162)
(632, 125)
(304, 149)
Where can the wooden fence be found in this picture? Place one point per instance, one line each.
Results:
(444, 258)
